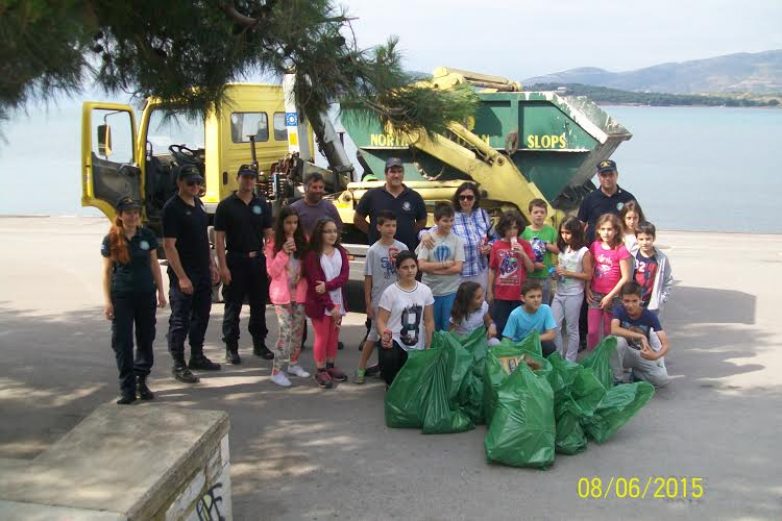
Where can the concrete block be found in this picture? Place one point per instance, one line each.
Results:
(13, 511)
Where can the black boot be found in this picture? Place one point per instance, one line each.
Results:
(199, 361)
(181, 372)
(260, 349)
(126, 399)
(143, 391)
(232, 355)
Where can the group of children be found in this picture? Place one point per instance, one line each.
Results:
(538, 280)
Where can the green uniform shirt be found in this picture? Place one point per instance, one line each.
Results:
(136, 276)
(538, 240)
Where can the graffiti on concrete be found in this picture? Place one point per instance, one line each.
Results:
(208, 506)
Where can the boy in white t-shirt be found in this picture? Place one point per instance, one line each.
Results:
(405, 317)
(379, 273)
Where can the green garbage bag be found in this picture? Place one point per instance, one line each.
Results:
(502, 360)
(404, 399)
(617, 407)
(570, 438)
(522, 431)
(424, 391)
(441, 411)
(599, 361)
(470, 395)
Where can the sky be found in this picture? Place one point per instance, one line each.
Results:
(517, 39)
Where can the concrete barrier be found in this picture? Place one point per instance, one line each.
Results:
(144, 463)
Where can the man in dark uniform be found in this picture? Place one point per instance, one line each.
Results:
(609, 198)
(406, 204)
(191, 272)
(243, 221)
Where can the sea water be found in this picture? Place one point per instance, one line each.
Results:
(691, 168)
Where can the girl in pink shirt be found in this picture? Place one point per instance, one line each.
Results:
(288, 293)
(612, 270)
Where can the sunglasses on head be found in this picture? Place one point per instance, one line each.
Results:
(466, 197)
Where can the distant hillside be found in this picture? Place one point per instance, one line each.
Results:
(756, 73)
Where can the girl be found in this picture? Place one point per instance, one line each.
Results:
(288, 293)
(131, 274)
(470, 311)
(631, 216)
(574, 270)
(405, 317)
(326, 269)
(611, 272)
(509, 263)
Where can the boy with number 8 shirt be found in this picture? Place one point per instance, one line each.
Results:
(379, 273)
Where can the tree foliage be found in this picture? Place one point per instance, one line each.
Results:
(187, 50)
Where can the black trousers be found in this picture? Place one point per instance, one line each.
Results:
(133, 310)
(500, 311)
(248, 280)
(189, 315)
(391, 361)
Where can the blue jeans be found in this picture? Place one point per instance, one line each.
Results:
(442, 311)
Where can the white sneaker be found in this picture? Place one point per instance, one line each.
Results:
(297, 370)
(280, 379)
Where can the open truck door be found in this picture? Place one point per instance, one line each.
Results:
(110, 166)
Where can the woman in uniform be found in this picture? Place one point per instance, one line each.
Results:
(131, 277)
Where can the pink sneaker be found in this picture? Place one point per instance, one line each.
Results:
(324, 379)
(337, 374)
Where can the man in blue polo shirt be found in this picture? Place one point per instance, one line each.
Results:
(609, 198)
(406, 204)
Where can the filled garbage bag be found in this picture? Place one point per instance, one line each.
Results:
(470, 395)
(501, 360)
(599, 361)
(570, 438)
(522, 431)
(424, 392)
(617, 407)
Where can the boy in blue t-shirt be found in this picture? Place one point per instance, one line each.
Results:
(642, 343)
(533, 315)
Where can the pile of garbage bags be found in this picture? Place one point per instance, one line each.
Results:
(534, 407)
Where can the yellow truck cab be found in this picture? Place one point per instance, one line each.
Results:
(120, 159)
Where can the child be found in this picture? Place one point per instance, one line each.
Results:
(442, 264)
(532, 316)
(470, 311)
(642, 343)
(652, 270)
(405, 317)
(574, 270)
(543, 239)
(612, 270)
(326, 269)
(509, 262)
(288, 293)
(379, 273)
(631, 216)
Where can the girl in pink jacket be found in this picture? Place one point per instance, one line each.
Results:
(288, 293)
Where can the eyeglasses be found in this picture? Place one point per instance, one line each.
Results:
(466, 197)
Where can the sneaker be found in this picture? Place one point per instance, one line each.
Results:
(360, 376)
(126, 399)
(262, 351)
(324, 379)
(336, 374)
(373, 370)
(203, 363)
(280, 379)
(183, 374)
(297, 370)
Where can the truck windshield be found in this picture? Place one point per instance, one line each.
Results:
(168, 128)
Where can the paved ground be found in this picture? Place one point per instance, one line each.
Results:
(305, 453)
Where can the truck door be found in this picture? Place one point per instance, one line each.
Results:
(110, 167)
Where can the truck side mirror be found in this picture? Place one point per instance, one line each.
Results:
(104, 140)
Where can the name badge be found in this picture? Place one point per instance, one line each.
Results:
(144, 245)
(257, 210)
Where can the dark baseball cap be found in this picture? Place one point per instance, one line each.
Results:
(607, 165)
(128, 203)
(190, 173)
(393, 161)
(248, 172)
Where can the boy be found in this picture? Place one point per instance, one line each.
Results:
(543, 239)
(509, 262)
(442, 265)
(652, 270)
(379, 273)
(533, 315)
(641, 343)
